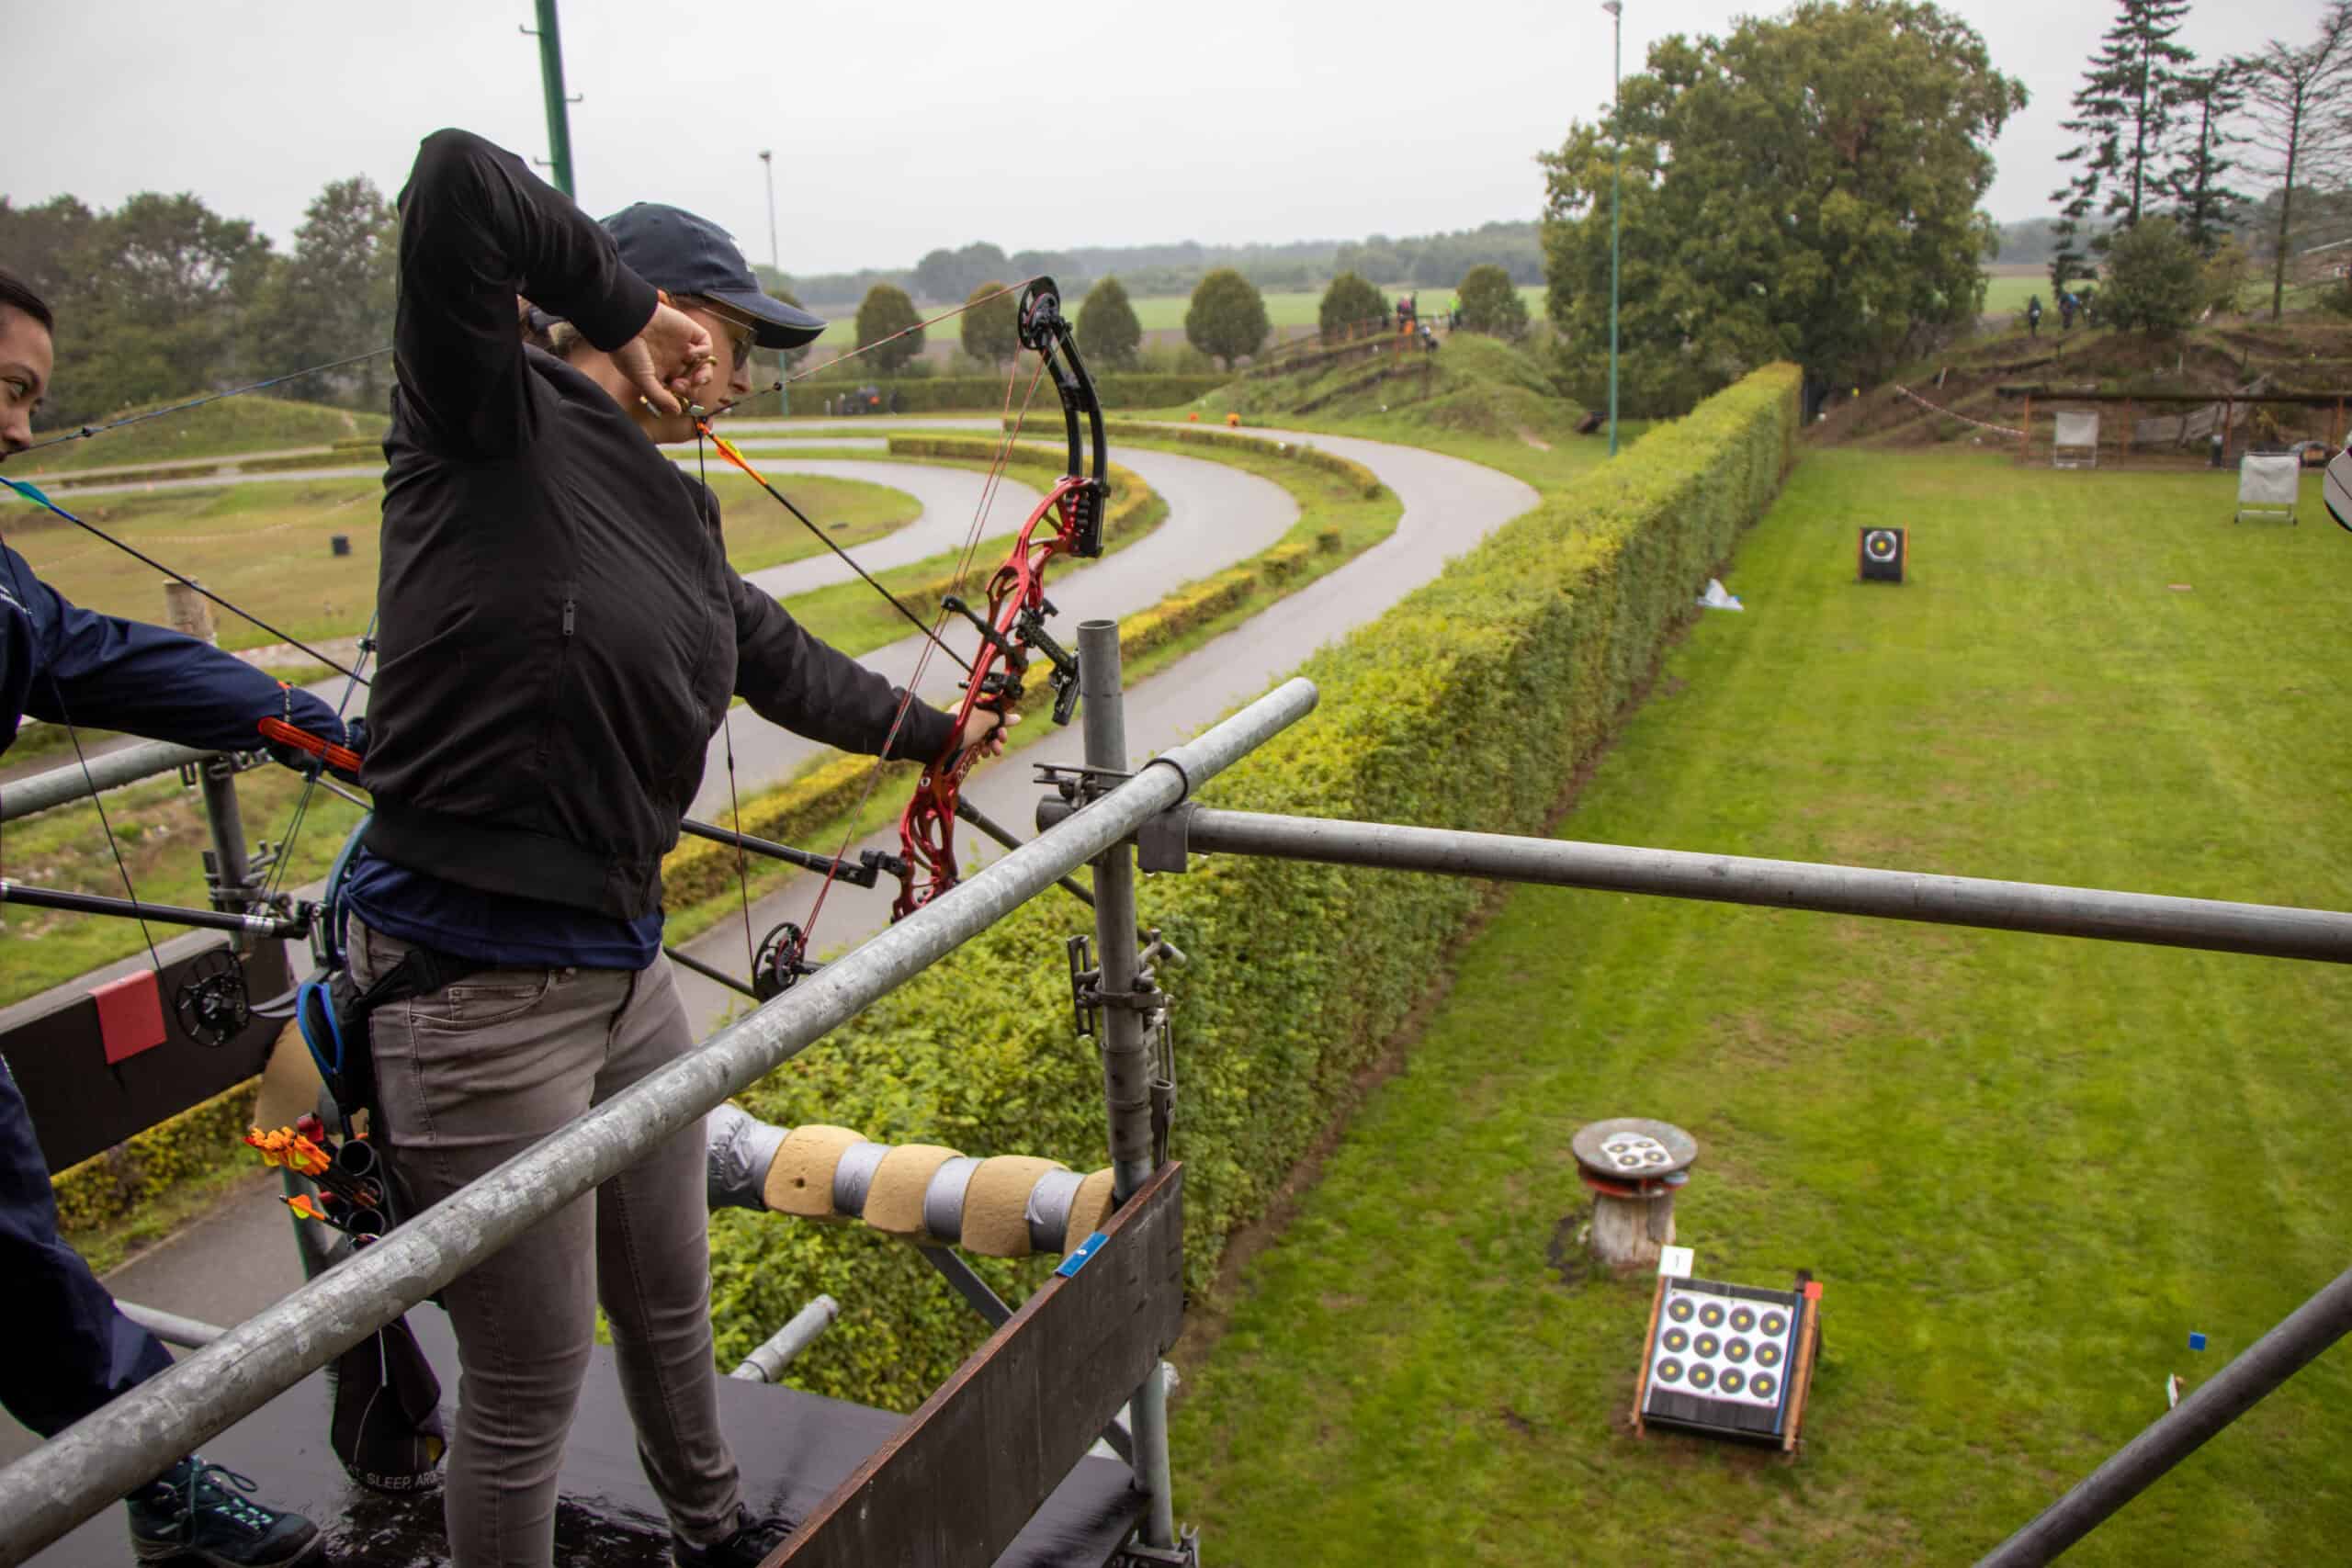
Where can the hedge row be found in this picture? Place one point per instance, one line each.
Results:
(1508, 670)
(131, 1175)
(985, 394)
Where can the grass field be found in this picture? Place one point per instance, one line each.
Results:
(250, 423)
(2025, 1167)
(264, 546)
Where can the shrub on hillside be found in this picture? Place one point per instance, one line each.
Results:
(1350, 303)
(990, 333)
(1108, 332)
(2155, 279)
(885, 311)
(1490, 304)
(1227, 319)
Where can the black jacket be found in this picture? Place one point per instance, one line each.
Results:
(560, 629)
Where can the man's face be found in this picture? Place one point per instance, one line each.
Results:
(26, 355)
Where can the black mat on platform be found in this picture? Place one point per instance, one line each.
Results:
(794, 1449)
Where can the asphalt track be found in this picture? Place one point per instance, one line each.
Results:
(237, 1259)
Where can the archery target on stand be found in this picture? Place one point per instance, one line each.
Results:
(1720, 1360)
(1881, 552)
(2335, 488)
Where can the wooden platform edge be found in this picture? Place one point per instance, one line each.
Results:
(956, 1482)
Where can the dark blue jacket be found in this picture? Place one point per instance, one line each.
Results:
(126, 675)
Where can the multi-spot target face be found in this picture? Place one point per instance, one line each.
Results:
(1636, 1153)
(1721, 1358)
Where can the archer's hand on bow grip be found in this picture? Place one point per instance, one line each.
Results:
(983, 735)
(295, 747)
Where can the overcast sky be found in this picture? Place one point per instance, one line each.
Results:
(896, 127)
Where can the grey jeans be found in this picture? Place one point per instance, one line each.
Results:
(473, 1074)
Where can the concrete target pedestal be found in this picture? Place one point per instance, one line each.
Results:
(1633, 1167)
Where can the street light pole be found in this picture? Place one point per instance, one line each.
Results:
(767, 161)
(1616, 10)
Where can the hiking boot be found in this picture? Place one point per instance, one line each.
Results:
(749, 1547)
(201, 1511)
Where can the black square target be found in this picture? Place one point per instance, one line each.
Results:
(1717, 1359)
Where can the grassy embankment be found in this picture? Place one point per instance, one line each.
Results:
(255, 422)
(2026, 1168)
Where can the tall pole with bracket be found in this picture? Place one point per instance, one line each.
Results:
(1616, 9)
(558, 109)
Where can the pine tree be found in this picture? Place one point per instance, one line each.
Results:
(2123, 112)
(2204, 205)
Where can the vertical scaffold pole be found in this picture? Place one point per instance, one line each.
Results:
(1126, 1052)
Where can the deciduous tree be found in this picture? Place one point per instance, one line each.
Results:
(2155, 279)
(990, 333)
(1108, 334)
(1492, 304)
(1806, 189)
(1228, 317)
(1350, 303)
(885, 311)
(333, 297)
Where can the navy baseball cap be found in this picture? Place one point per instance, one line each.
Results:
(675, 251)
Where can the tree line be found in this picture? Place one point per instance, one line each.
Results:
(162, 297)
(1808, 186)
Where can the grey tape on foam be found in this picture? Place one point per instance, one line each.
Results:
(943, 1200)
(854, 1175)
(1047, 1211)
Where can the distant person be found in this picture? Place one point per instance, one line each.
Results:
(70, 1351)
(2033, 316)
(2067, 305)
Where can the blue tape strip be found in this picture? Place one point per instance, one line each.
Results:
(1086, 1250)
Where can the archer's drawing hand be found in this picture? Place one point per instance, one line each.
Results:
(984, 733)
(668, 359)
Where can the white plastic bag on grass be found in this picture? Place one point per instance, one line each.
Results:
(1717, 598)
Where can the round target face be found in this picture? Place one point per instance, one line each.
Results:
(1681, 1309)
(1736, 1350)
(1670, 1371)
(1703, 1376)
(1879, 543)
(1636, 1151)
(1676, 1340)
(1712, 1315)
(1767, 1354)
(1709, 1344)
(1763, 1385)
(1734, 1379)
(1743, 1319)
(1775, 1325)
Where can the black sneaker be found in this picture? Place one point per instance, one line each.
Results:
(752, 1544)
(199, 1511)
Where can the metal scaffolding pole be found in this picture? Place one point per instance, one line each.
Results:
(2271, 930)
(1126, 1049)
(114, 770)
(2298, 1340)
(97, 1461)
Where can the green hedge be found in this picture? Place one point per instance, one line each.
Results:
(131, 1175)
(1510, 668)
(985, 394)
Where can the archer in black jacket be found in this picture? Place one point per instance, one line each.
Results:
(560, 635)
(560, 630)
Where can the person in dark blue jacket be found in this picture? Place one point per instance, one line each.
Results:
(69, 1350)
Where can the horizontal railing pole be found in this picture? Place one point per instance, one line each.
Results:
(2299, 1339)
(170, 1326)
(131, 765)
(130, 1441)
(2271, 930)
